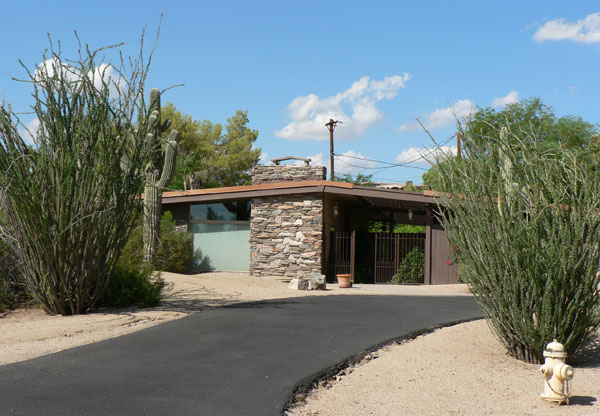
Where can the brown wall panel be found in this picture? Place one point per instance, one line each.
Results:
(441, 253)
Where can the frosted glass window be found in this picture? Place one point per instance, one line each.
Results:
(224, 247)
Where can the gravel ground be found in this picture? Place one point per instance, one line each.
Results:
(459, 370)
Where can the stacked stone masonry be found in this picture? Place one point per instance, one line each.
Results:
(286, 236)
(287, 173)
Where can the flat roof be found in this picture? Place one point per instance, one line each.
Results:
(295, 188)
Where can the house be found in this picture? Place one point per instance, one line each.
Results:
(292, 221)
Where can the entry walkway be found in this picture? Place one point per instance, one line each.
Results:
(237, 360)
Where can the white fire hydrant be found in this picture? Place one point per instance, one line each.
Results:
(557, 374)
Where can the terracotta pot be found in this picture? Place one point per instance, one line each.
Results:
(344, 280)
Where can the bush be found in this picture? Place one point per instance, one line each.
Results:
(132, 281)
(128, 287)
(525, 218)
(175, 249)
(411, 269)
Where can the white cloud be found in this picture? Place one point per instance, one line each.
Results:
(29, 131)
(50, 67)
(511, 98)
(103, 75)
(585, 30)
(348, 162)
(310, 113)
(424, 155)
(442, 117)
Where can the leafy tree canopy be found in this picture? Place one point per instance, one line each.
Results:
(527, 119)
(210, 157)
(359, 179)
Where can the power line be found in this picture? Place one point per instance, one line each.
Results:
(401, 164)
(363, 167)
(429, 152)
(392, 165)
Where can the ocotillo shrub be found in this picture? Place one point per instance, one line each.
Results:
(525, 219)
(73, 195)
(13, 291)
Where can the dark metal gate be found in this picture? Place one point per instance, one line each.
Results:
(390, 249)
(344, 243)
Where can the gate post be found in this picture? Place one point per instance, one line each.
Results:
(427, 279)
(352, 256)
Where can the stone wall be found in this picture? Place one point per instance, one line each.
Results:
(286, 235)
(287, 173)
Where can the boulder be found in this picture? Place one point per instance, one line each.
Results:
(298, 284)
(316, 281)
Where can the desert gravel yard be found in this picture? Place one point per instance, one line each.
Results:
(459, 370)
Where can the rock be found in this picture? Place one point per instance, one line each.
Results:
(298, 284)
(317, 281)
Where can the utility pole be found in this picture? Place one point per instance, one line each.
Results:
(331, 126)
(458, 144)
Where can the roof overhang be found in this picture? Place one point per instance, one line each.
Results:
(375, 195)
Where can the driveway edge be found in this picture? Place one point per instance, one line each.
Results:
(312, 382)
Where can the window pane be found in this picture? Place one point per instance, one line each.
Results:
(225, 211)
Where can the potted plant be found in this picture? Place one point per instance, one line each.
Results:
(344, 280)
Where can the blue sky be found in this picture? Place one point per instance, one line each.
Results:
(376, 66)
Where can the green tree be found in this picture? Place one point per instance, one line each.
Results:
(72, 197)
(359, 179)
(527, 119)
(209, 157)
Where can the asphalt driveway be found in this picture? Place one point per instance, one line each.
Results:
(237, 360)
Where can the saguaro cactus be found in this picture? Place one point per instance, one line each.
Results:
(159, 172)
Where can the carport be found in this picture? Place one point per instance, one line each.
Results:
(327, 215)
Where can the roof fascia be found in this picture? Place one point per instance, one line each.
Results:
(243, 194)
(381, 193)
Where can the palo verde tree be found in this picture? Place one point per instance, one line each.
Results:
(525, 220)
(70, 198)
